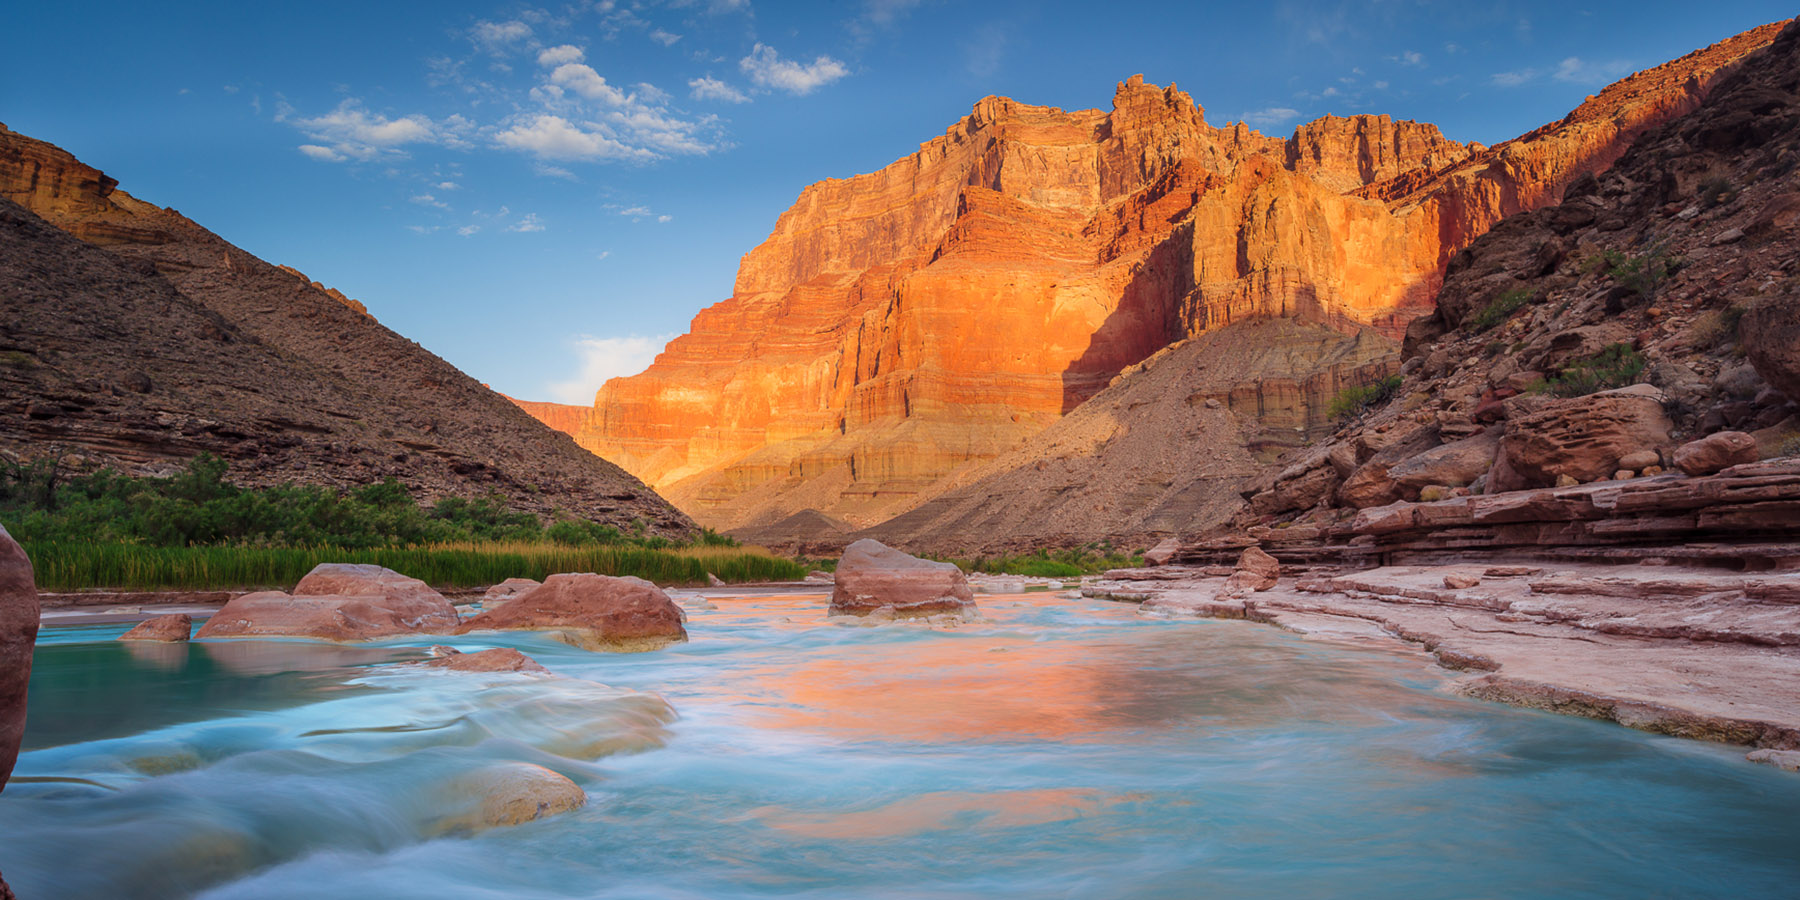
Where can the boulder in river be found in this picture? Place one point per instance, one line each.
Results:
(498, 659)
(594, 612)
(18, 635)
(508, 794)
(506, 590)
(169, 628)
(872, 576)
(338, 602)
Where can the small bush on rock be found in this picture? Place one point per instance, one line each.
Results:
(1352, 402)
(1501, 309)
(1615, 367)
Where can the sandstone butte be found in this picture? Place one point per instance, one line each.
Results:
(901, 326)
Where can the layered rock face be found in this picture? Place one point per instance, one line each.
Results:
(899, 326)
(131, 337)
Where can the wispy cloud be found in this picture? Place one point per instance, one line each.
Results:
(1576, 70)
(527, 223)
(429, 200)
(665, 38)
(1515, 78)
(499, 37)
(351, 131)
(767, 69)
(1272, 117)
(599, 359)
(560, 55)
(554, 137)
(708, 88)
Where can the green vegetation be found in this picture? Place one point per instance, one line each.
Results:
(1500, 309)
(1087, 559)
(1788, 446)
(1614, 367)
(196, 530)
(1716, 190)
(1643, 273)
(65, 565)
(1352, 402)
(1717, 326)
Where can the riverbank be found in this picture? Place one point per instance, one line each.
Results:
(1694, 653)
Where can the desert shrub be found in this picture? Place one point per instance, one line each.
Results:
(1614, 367)
(1715, 190)
(1353, 401)
(1789, 445)
(1500, 309)
(1718, 326)
(1642, 273)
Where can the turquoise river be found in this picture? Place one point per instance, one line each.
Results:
(1060, 748)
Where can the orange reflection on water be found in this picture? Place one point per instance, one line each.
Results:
(941, 811)
(978, 682)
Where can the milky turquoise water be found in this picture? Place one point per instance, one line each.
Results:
(1065, 748)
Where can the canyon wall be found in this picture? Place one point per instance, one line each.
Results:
(901, 328)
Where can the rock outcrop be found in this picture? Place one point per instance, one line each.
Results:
(506, 590)
(133, 338)
(337, 602)
(873, 579)
(900, 326)
(593, 612)
(18, 636)
(563, 417)
(172, 628)
(507, 794)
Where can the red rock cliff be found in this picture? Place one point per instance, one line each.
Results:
(902, 325)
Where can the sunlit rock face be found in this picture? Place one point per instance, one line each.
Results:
(901, 325)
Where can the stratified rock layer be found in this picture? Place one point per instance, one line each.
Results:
(133, 338)
(901, 325)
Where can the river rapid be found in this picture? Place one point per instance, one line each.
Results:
(1059, 748)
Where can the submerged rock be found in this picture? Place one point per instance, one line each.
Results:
(594, 612)
(169, 628)
(1780, 759)
(508, 794)
(18, 634)
(498, 659)
(872, 577)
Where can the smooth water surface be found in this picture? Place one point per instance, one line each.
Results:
(1061, 748)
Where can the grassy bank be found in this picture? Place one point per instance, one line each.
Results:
(68, 565)
(1091, 559)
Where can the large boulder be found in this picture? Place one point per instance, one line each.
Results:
(1771, 336)
(1582, 438)
(498, 659)
(18, 635)
(338, 602)
(1256, 571)
(872, 576)
(1715, 452)
(594, 612)
(1455, 464)
(169, 628)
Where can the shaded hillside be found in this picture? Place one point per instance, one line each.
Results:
(1585, 342)
(1162, 451)
(899, 327)
(150, 339)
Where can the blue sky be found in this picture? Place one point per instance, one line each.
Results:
(544, 193)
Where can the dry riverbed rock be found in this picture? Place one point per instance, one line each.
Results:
(873, 577)
(338, 602)
(1715, 453)
(169, 628)
(593, 612)
(18, 634)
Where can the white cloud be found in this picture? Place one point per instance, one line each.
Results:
(428, 200)
(1272, 117)
(767, 69)
(467, 230)
(603, 254)
(550, 171)
(1575, 70)
(583, 80)
(714, 89)
(554, 137)
(448, 186)
(1409, 58)
(322, 154)
(561, 55)
(499, 37)
(664, 38)
(353, 132)
(422, 229)
(665, 219)
(602, 359)
(636, 211)
(1515, 78)
(528, 223)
